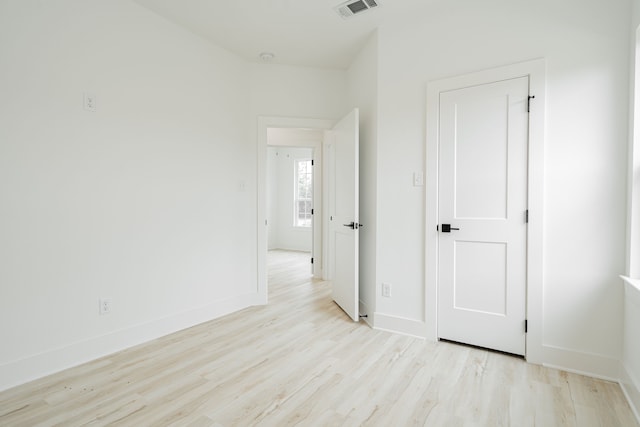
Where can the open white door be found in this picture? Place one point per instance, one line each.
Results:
(344, 215)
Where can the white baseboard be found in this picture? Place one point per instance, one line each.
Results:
(399, 325)
(40, 365)
(589, 364)
(631, 389)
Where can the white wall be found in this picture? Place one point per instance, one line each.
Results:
(281, 90)
(272, 196)
(139, 201)
(280, 193)
(586, 48)
(363, 93)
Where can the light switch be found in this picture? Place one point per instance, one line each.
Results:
(418, 179)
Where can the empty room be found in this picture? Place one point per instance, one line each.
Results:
(317, 212)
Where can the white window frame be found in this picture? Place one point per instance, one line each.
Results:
(296, 198)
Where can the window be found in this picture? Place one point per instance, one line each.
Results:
(303, 192)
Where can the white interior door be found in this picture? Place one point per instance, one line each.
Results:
(344, 215)
(482, 196)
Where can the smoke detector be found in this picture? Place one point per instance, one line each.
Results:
(355, 7)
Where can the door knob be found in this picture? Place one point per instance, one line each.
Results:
(446, 228)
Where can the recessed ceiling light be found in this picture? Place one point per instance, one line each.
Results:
(266, 56)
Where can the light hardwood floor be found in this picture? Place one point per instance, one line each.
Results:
(301, 361)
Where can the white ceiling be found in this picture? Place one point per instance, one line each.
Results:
(298, 32)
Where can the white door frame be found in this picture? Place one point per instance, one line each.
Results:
(264, 123)
(535, 70)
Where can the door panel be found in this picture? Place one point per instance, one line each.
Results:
(481, 126)
(483, 193)
(480, 277)
(344, 204)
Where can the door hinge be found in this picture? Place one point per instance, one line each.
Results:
(311, 260)
(526, 216)
(312, 162)
(311, 211)
(526, 326)
(529, 102)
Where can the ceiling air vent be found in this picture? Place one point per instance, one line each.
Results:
(355, 7)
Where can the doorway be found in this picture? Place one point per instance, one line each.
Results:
(335, 203)
(284, 134)
(294, 193)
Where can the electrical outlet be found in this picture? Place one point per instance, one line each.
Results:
(105, 305)
(89, 102)
(386, 290)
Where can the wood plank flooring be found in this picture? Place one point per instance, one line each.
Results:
(301, 361)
